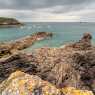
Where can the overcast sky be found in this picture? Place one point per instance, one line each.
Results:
(49, 10)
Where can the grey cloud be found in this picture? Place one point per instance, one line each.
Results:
(34, 4)
(67, 6)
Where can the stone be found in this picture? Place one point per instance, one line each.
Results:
(67, 66)
(9, 48)
(84, 43)
(20, 83)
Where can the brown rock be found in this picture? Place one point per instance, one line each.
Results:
(63, 67)
(8, 48)
(20, 83)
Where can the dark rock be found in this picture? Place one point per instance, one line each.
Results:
(15, 62)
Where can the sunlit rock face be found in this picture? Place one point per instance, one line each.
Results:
(20, 83)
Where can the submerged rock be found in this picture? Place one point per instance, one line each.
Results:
(20, 83)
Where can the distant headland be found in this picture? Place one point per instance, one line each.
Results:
(7, 22)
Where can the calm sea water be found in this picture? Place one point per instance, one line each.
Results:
(63, 32)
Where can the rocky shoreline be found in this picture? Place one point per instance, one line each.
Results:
(68, 70)
(23, 43)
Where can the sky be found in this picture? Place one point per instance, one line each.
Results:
(49, 10)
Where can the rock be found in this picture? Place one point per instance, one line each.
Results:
(73, 66)
(16, 62)
(56, 61)
(4, 51)
(9, 48)
(73, 91)
(48, 62)
(63, 67)
(20, 83)
(84, 43)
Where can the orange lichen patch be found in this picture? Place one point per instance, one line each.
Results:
(73, 91)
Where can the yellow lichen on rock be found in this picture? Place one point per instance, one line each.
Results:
(20, 83)
(73, 91)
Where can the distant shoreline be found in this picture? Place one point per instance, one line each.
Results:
(9, 22)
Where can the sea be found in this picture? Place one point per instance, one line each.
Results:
(63, 32)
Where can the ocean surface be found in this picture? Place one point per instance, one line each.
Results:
(63, 32)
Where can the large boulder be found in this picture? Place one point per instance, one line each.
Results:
(20, 83)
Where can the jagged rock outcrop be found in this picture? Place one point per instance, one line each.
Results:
(20, 83)
(70, 66)
(11, 47)
(83, 44)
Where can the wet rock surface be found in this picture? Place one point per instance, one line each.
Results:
(70, 66)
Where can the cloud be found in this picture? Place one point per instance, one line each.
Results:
(34, 4)
(49, 10)
(38, 16)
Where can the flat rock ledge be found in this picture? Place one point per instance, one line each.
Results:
(70, 69)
